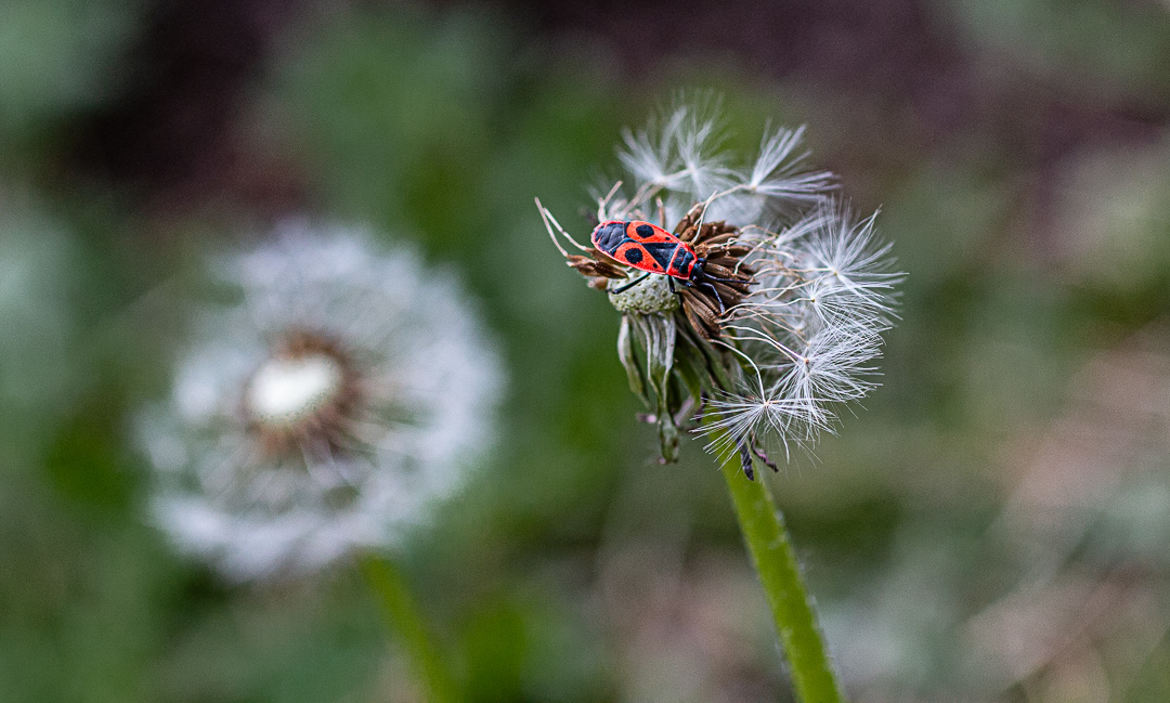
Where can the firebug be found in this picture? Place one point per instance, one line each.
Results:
(648, 247)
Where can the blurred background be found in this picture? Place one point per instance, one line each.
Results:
(993, 525)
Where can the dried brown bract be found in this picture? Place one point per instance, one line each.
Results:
(715, 242)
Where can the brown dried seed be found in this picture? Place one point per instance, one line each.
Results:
(588, 270)
(722, 271)
(726, 258)
(704, 302)
(607, 266)
(731, 293)
(734, 269)
(598, 282)
(722, 265)
(712, 252)
(697, 325)
(715, 253)
(608, 270)
(693, 319)
(589, 267)
(688, 220)
(711, 229)
(731, 296)
(718, 239)
(703, 319)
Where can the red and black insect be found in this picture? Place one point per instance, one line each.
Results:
(648, 247)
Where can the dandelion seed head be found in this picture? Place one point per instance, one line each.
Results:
(812, 287)
(346, 392)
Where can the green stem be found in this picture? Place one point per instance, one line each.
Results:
(402, 615)
(767, 540)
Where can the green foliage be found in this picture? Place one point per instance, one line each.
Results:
(57, 57)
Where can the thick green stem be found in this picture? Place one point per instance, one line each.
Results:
(402, 616)
(767, 540)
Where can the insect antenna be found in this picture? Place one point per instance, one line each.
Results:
(759, 452)
(550, 222)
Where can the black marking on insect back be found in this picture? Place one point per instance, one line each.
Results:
(661, 251)
(682, 261)
(609, 237)
(644, 231)
(633, 256)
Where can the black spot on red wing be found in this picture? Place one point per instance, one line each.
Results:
(645, 231)
(633, 256)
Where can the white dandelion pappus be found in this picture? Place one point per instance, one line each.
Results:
(811, 328)
(784, 324)
(848, 269)
(346, 392)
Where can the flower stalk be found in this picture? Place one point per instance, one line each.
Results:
(402, 617)
(766, 536)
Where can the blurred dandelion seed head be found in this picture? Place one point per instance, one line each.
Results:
(785, 321)
(345, 392)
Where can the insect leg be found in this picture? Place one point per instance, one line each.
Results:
(718, 298)
(550, 223)
(631, 284)
(759, 451)
(745, 456)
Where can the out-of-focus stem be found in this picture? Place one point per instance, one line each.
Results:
(402, 615)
